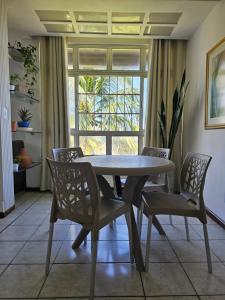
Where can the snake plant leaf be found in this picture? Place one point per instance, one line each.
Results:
(176, 126)
(163, 114)
(178, 104)
(162, 130)
(182, 82)
(162, 122)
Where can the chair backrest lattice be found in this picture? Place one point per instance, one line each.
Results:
(193, 175)
(76, 192)
(156, 152)
(67, 154)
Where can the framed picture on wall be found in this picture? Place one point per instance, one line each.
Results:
(215, 87)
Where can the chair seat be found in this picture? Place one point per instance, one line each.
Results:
(169, 204)
(110, 209)
(151, 187)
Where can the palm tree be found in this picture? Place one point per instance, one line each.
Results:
(107, 103)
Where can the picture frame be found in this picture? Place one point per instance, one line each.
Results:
(215, 87)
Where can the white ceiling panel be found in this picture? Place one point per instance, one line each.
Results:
(109, 18)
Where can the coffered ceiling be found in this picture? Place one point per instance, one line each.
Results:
(108, 18)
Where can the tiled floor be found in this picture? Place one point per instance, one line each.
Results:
(178, 268)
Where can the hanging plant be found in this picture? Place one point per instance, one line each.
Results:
(178, 105)
(27, 55)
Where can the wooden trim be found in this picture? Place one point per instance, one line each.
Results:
(4, 214)
(215, 218)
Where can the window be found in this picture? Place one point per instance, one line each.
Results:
(106, 90)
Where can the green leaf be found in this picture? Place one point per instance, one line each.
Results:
(182, 82)
(162, 123)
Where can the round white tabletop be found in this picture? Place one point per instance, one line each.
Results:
(128, 165)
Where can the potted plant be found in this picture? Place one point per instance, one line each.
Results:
(25, 116)
(16, 164)
(14, 80)
(178, 104)
(27, 55)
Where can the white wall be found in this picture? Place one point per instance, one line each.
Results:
(6, 168)
(196, 138)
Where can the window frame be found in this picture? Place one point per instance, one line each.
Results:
(76, 72)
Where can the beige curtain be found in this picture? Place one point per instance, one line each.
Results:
(55, 128)
(167, 63)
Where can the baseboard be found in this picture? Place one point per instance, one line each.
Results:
(4, 214)
(215, 218)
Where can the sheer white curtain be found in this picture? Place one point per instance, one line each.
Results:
(167, 63)
(55, 128)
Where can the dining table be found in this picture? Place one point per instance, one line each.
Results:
(137, 169)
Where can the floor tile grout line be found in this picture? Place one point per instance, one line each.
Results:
(211, 250)
(61, 242)
(20, 214)
(142, 283)
(183, 268)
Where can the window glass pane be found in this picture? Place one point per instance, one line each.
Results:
(82, 103)
(92, 58)
(105, 122)
(135, 122)
(93, 144)
(126, 59)
(124, 145)
(105, 103)
(128, 85)
(113, 84)
(99, 110)
(121, 104)
(70, 58)
(72, 141)
(136, 85)
(120, 121)
(71, 97)
(113, 104)
(90, 104)
(145, 105)
(132, 104)
(121, 85)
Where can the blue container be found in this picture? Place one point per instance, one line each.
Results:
(23, 124)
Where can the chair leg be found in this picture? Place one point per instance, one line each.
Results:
(138, 218)
(111, 225)
(148, 243)
(187, 228)
(85, 241)
(128, 220)
(48, 257)
(208, 255)
(141, 209)
(94, 249)
(171, 220)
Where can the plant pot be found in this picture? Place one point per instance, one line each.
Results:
(15, 167)
(25, 158)
(23, 124)
(14, 126)
(12, 88)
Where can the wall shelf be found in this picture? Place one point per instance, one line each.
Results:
(34, 164)
(28, 131)
(23, 97)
